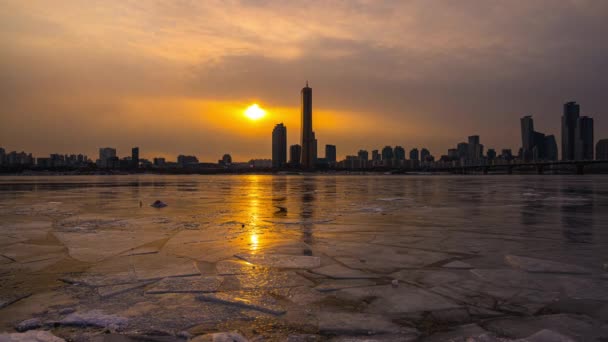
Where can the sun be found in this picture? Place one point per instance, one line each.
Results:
(254, 112)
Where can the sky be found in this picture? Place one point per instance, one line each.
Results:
(174, 77)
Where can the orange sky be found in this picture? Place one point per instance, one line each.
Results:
(174, 77)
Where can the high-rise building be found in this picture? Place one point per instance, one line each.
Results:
(295, 152)
(363, 155)
(159, 162)
(387, 153)
(135, 157)
(527, 136)
(475, 149)
(569, 121)
(376, 155)
(2, 156)
(491, 155)
(583, 136)
(307, 138)
(279, 146)
(414, 155)
(425, 155)
(399, 153)
(551, 152)
(330, 154)
(601, 150)
(105, 155)
(535, 145)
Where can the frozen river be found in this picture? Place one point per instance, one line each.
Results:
(305, 258)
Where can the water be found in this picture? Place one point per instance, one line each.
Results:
(311, 257)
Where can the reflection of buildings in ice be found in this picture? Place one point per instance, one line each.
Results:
(577, 213)
(307, 211)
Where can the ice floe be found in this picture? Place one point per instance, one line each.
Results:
(247, 300)
(186, 285)
(543, 266)
(281, 260)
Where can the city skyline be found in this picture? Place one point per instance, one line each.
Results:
(406, 74)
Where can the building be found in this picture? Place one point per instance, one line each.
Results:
(363, 155)
(260, 163)
(583, 136)
(279, 146)
(330, 154)
(399, 153)
(387, 153)
(376, 155)
(186, 161)
(491, 154)
(425, 155)
(601, 150)
(314, 148)
(159, 162)
(106, 154)
(295, 152)
(463, 151)
(227, 159)
(135, 157)
(414, 155)
(475, 150)
(535, 145)
(2, 156)
(569, 122)
(307, 137)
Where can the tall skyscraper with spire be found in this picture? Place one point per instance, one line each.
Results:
(308, 136)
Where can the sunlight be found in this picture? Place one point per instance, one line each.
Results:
(254, 112)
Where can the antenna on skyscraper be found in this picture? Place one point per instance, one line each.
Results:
(306, 83)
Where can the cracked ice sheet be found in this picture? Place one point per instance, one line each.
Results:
(344, 323)
(535, 265)
(402, 299)
(264, 279)
(186, 285)
(380, 258)
(281, 260)
(23, 231)
(577, 327)
(246, 300)
(337, 271)
(496, 297)
(99, 245)
(571, 286)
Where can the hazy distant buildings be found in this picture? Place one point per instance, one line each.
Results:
(307, 138)
(159, 162)
(363, 155)
(475, 149)
(414, 155)
(399, 153)
(387, 154)
(260, 163)
(583, 136)
(491, 154)
(107, 157)
(186, 161)
(425, 155)
(295, 152)
(376, 157)
(330, 154)
(601, 150)
(279, 146)
(535, 145)
(226, 160)
(135, 157)
(569, 121)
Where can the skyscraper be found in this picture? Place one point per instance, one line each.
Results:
(135, 157)
(279, 146)
(375, 155)
(414, 155)
(527, 136)
(330, 154)
(399, 153)
(307, 138)
(425, 155)
(601, 150)
(583, 136)
(569, 121)
(363, 155)
(295, 152)
(387, 153)
(475, 149)
(105, 155)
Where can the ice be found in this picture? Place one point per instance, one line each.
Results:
(94, 318)
(459, 333)
(220, 337)
(25, 253)
(337, 271)
(247, 300)
(233, 267)
(113, 290)
(403, 299)
(186, 285)
(264, 280)
(29, 324)
(334, 285)
(154, 266)
(576, 327)
(99, 245)
(345, 323)
(30, 336)
(543, 266)
(281, 260)
(546, 335)
(7, 299)
(457, 264)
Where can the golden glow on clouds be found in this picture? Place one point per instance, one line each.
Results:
(254, 112)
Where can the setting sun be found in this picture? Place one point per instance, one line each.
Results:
(254, 112)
